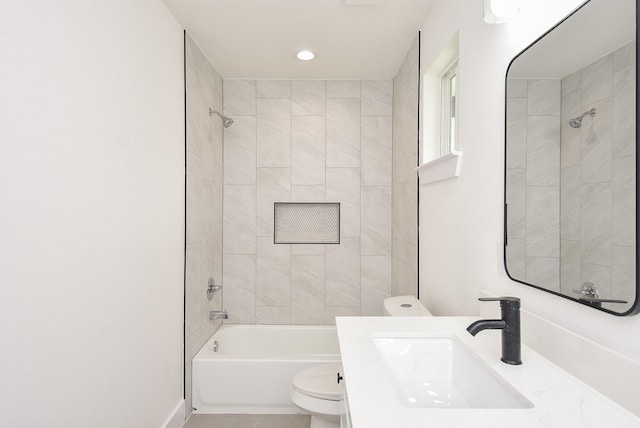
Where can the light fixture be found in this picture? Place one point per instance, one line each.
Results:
(500, 11)
(305, 55)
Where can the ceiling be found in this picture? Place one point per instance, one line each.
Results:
(258, 39)
(593, 31)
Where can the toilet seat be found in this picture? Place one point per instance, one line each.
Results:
(319, 382)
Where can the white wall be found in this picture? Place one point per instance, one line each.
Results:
(91, 225)
(461, 220)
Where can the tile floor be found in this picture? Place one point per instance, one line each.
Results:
(247, 421)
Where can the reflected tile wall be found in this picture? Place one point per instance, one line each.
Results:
(533, 172)
(598, 170)
(307, 141)
(597, 175)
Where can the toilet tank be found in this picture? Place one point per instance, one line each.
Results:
(404, 306)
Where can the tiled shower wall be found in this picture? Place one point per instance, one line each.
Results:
(405, 183)
(301, 141)
(572, 208)
(204, 199)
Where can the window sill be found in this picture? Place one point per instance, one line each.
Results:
(442, 168)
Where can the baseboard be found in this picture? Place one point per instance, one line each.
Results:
(177, 417)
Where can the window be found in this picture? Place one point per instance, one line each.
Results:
(448, 87)
(439, 142)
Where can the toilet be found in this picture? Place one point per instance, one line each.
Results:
(317, 390)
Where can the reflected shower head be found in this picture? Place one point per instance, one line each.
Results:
(226, 121)
(576, 122)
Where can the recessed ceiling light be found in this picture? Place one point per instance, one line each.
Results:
(305, 55)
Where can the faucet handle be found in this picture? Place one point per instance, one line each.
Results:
(499, 299)
(505, 301)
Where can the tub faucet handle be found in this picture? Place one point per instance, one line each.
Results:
(212, 287)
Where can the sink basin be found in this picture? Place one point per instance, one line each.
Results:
(440, 371)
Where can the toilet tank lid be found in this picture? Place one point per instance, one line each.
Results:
(405, 306)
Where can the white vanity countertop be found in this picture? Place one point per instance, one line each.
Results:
(559, 399)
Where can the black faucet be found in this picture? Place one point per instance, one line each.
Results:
(509, 324)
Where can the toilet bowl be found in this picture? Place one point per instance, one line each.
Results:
(317, 391)
(404, 306)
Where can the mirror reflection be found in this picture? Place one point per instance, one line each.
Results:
(570, 184)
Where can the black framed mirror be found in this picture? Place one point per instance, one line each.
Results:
(570, 159)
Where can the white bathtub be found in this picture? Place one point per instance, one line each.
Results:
(252, 370)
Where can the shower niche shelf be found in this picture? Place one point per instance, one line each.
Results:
(306, 223)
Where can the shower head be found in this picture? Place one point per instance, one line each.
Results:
(226, 121)
(576, 122)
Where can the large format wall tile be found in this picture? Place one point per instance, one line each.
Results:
(343, 132)
(376, 220)
(596, 223)
(376, 283)
(623, 199)
(543, 151)
(273, 89)
(377, 97)
(543, 222)
(274, 132)
(570, 203)
(240, 151)
(376, 151)
(569, 266)
(343, 185)
(517, 132)
(305, 141)
(239, 219)
(343, 273)
(274, 185)
(308, 295)
(240, 287)
(239, 97)
(307, 97)
(624, 112)
(597, 136)
(544, 270)
(543, 98)
(343, 89)
(273, 273)
(597, 80)
(308, 150)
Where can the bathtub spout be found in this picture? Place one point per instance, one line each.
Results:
(214, 315)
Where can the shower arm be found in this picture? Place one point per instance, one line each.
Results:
(591, 112)
(226, 121)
